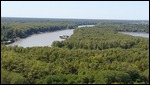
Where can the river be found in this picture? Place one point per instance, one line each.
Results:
(145, 35)
(46, 39)
(43, 39)
(85, 26)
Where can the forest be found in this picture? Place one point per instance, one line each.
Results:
(92, 55)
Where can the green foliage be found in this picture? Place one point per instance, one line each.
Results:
(100, 38)
(94, 55)
(11, 78)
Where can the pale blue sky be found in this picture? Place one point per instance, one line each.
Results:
(135, 10)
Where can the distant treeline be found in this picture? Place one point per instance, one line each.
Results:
(127, 27)
(12, 28)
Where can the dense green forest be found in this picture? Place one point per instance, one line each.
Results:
(92, 55)
(99, 37)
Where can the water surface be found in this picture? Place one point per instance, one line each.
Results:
(85, 26)
(145, 35)
(43, 39)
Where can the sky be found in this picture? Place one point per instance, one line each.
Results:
(122, 10)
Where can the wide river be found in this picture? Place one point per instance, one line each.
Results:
(43, 39)
(46, 39)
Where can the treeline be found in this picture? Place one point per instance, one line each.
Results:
(94, 55)
(127, 27)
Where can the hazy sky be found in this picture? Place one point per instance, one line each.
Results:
(135, 10)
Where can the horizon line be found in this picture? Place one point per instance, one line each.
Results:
(73, 18)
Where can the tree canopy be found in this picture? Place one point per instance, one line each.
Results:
(92, 55)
